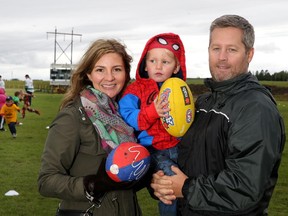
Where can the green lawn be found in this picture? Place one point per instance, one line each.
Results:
(20, 162)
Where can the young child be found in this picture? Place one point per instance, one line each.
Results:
(163, 57)
(9, 111)
(2, 102)
(26, 98)
(16, 99)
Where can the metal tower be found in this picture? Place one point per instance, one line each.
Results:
(60, 72)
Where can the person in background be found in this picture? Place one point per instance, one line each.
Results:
(3, 97)
(25, 97)
(2, 83)
(163, 57)
(231, 154)
(87, 127)
(29, 88)
(9, 111)
(16, 99)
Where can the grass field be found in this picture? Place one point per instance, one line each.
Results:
(20, 162)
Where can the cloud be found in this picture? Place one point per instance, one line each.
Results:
(26, 47)
(268, 48)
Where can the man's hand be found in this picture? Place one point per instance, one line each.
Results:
(167, 188)
(162, 187)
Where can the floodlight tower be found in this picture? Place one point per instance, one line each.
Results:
(60, 72)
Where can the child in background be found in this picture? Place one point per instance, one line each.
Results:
(26, 97)
(9, 112)
(163, 57)
(2, 102)
(16, 99)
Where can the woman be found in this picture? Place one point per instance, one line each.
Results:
(85, 130)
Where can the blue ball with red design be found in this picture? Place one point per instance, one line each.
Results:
(127, 162)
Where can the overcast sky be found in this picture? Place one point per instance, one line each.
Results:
(27, 48)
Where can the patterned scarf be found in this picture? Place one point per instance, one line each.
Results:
(103, 113)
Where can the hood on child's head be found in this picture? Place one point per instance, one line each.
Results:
(168, 41)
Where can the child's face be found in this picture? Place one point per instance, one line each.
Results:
(9, 103)
(161, 64)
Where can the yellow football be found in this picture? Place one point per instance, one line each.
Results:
(181, 104)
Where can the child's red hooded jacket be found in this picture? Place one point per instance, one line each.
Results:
(137, 107)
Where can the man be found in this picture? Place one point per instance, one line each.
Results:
(231, 153)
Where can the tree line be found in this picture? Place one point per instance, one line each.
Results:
(277, 76)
